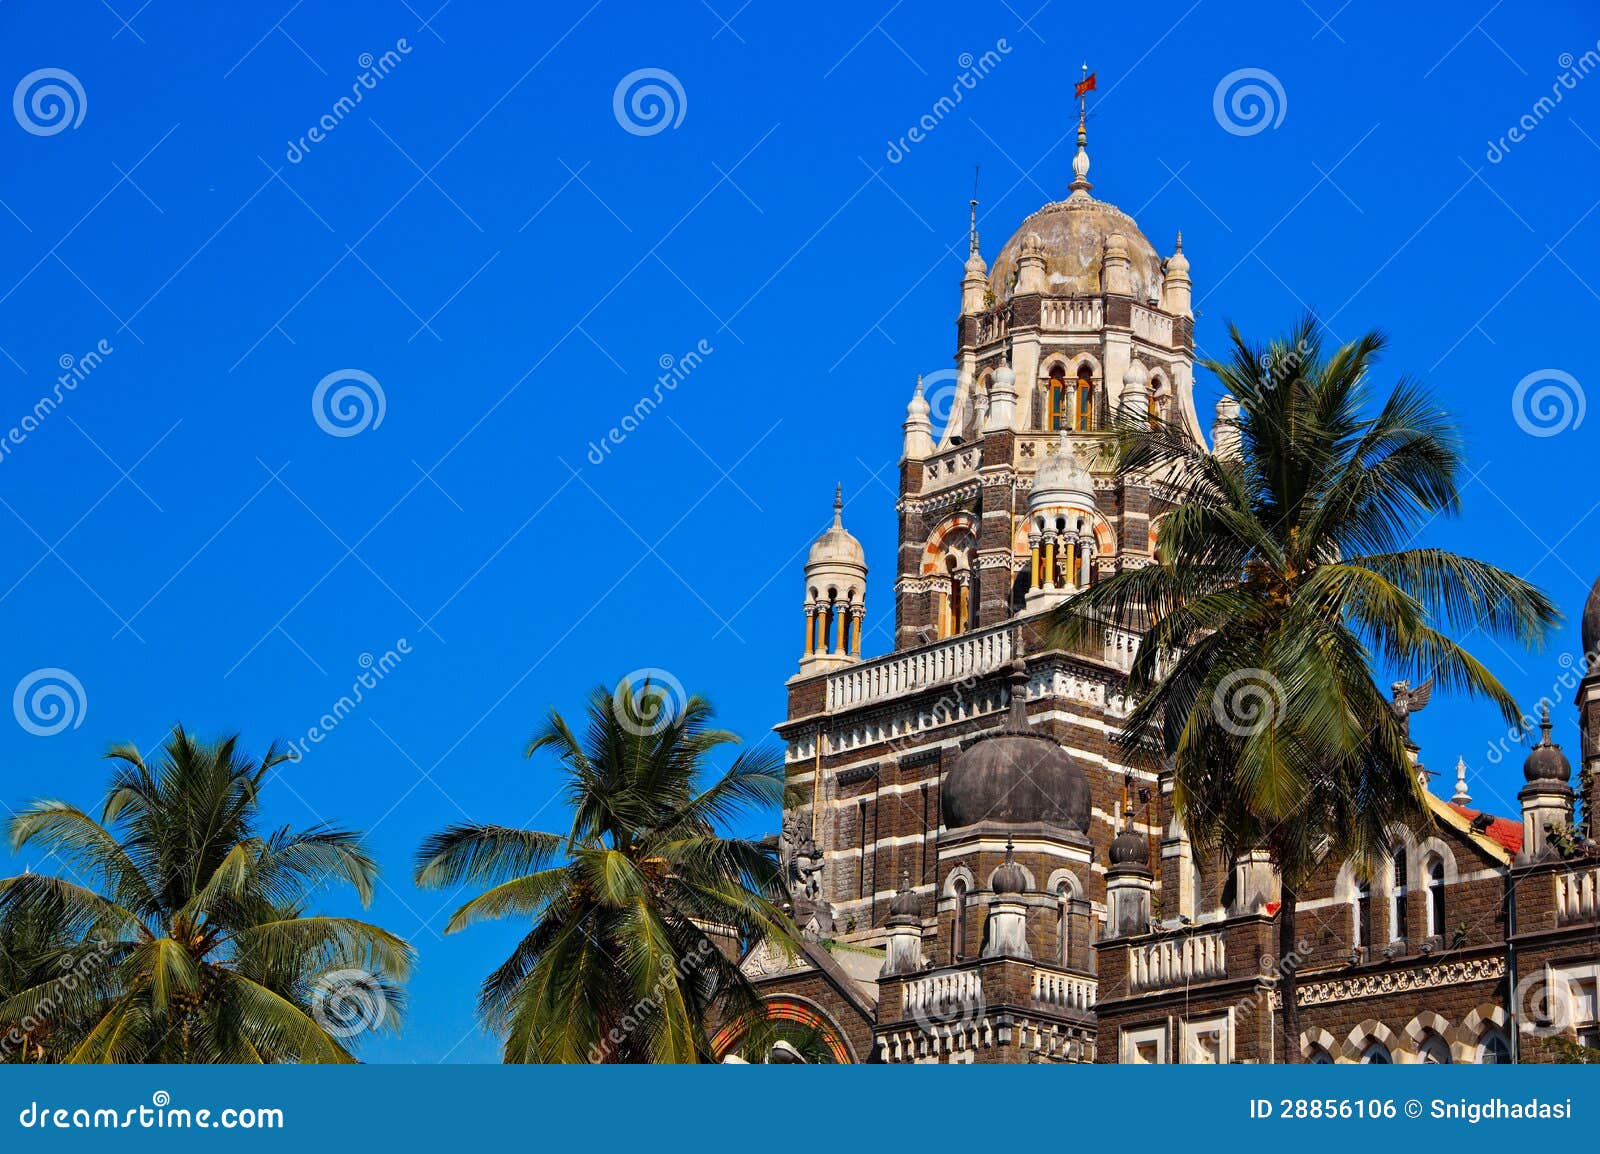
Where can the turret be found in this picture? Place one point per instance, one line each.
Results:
(1175, 286)
(1006, 933)
(904, 955)
(1225, 430)
(1547, 798)
(1129, 883)
(836, 585)
(918, 427)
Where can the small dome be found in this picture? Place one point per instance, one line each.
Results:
(1591, 628)
(837, 546)
(1005, 377)
(1227, 407)
(1010, 878)
(905, 904)
(1177, 262)
(1016, 776)
(1136, 377)
(1547, 762)
(975, 264)
(918, 407)
(1129, 848)
(1061, 480)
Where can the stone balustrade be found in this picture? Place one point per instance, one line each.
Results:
(1063, 991)
(1578, 895)
(1177, 961)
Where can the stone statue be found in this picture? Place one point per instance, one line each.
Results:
(1408, 701)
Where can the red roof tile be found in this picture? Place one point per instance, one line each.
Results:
(1501, 829)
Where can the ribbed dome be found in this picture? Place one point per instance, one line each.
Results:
(1073, 236)
(1129, 848)
(837, 545)
(1016, 776)
(1547, 762)
(1010, 878)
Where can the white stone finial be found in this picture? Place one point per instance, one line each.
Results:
(1461, 796)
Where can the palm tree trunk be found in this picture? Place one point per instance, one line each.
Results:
(1288, 981)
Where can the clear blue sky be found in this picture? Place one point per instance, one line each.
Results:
(483, 238)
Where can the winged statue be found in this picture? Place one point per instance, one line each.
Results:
(1408, 701)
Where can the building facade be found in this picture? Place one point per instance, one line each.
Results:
(982, 876)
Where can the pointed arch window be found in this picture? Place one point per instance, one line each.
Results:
(958, 924)
(1083, 406)
(1363, 916)
(1060, 399)
(1397, 898)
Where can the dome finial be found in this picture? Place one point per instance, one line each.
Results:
(1461, 796)
(1544, 722)
(838, 504)
(1080, 163)
(1179, 246)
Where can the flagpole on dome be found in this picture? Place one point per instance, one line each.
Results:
(1080, 163)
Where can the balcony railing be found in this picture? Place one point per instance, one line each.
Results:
(968, 655)
(944, 996)
(1177, 961)
(1071, 314)
(1063, 991)
(1578, 895)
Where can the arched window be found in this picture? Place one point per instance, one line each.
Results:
(1064, 921)
(1083, 410)
(1060, 400)
(1397, 898)
(1435, 1051)
(1362, 932)
(1376, 1054)
(1319, 1057)
(958, 925)
(1494, 1049)
(1436, 898)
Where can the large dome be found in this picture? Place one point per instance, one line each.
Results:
(1016, 776)
(1074, 232)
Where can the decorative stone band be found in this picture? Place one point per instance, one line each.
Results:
(1396, 981)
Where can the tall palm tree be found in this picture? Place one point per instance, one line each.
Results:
(202, 920)
(1283, 574)
(41, 943)
(622, 963)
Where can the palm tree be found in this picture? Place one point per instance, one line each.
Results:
(623, 962)
(201, 920)
(1283, 573)
(40, 944)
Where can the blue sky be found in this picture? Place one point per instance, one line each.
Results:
(483, 238)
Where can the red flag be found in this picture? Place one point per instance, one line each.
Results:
(1083, 86)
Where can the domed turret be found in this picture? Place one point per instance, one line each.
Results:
(1061, 480)
(1016, 776)
(1128, 848)
(1546, 762)
(918, 426)
(836, 586)
(1136, 388)
(1225, 430)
